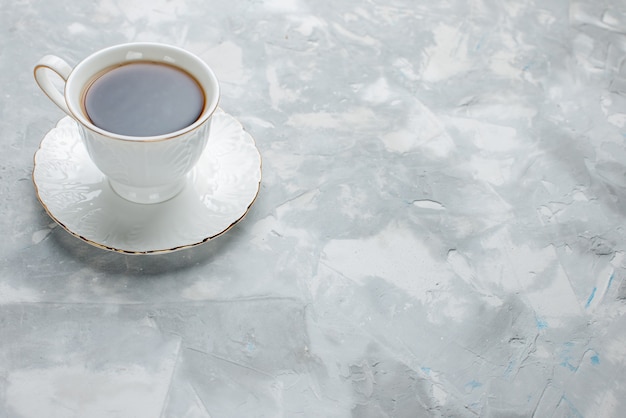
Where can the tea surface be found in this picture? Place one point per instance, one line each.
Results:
(144, 99)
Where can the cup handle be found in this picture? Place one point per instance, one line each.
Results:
(43, 69)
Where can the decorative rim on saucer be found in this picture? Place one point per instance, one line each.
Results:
(219, 192)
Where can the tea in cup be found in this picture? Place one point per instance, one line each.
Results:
(143, 111)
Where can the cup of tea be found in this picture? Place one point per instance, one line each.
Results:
(143, 111)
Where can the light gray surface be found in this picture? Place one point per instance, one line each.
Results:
(439, 232)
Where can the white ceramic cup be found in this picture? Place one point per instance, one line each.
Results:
(142, 169)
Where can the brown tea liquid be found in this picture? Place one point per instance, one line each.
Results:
(144, 99)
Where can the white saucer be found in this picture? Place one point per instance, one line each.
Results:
(220, 191)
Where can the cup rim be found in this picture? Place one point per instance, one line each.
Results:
(208, 111)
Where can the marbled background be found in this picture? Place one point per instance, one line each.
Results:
(439, 232)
